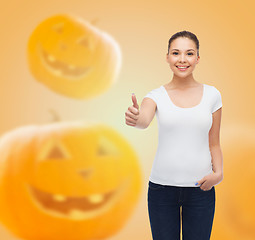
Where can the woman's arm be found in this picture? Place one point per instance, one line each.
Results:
(146, 113)
(214, 144)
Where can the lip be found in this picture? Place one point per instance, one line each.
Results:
(182, 69)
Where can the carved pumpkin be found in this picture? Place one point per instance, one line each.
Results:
(72, 57)
(235, 210)
(68, 181)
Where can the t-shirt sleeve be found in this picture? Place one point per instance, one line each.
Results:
(217, 103)
(152, 95)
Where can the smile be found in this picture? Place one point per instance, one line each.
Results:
(183, 68)
(73, 207)
(60, 68)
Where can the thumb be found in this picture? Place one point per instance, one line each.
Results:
(134, 100)
(198, 183)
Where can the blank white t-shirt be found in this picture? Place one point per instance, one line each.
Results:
(183, 156)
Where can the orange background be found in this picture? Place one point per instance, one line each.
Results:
(225, 30)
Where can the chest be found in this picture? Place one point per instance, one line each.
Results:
(185, 98)
(184, 111)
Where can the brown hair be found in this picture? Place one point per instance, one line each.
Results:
(186, 34)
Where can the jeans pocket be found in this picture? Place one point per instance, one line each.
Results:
(212, 189)
(155, 186)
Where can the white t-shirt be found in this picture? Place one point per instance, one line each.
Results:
(183, 156)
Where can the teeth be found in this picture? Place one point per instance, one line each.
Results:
(75, 213)
(51, 58)
(71, 66)
(95, 198)
(57, 72)
(59, 198)
(182, 67)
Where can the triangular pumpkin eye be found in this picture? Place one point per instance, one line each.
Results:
(106, 147)
(56, 153)
(58, 27)
(85, 41)
(53, 150)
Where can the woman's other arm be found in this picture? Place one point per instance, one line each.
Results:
(143, 117)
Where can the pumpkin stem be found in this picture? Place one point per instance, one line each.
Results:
(55, 115)
(94, 22)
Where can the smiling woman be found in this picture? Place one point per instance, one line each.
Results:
(188, 162)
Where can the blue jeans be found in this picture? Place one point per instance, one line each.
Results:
(196, 216)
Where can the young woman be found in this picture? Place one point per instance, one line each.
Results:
(188, 162)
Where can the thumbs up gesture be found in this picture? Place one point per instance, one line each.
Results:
(132, 114)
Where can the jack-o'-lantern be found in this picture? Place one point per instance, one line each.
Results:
(235, 210)
(68, 181)
(72, 57)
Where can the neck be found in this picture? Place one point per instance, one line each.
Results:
(179, 82)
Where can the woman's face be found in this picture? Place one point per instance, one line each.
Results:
(182, 52)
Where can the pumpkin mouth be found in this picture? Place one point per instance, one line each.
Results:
(60, 68)
(77, 208)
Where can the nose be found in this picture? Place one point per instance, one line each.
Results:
(85, 172)
(62, 46)
(182, 58)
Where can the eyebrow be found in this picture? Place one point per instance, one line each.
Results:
(187, 50)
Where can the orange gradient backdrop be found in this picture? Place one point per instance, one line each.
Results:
(142, 28)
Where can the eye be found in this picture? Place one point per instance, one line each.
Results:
(53, 150)
(188, 53)
(106, 148)
(58, 28)
(85, 42)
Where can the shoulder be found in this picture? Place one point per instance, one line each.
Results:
(155, 91)
(214, 97)
(212, 91)
(211, 88)
(154, 94)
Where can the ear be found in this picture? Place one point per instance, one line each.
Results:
(167, 57)
(198, 58)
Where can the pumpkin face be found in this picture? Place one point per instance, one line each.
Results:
(67, 181)
(235, 204)
(72, 57)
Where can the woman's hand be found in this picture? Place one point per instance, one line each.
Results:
(208, 181)
(132, 114)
